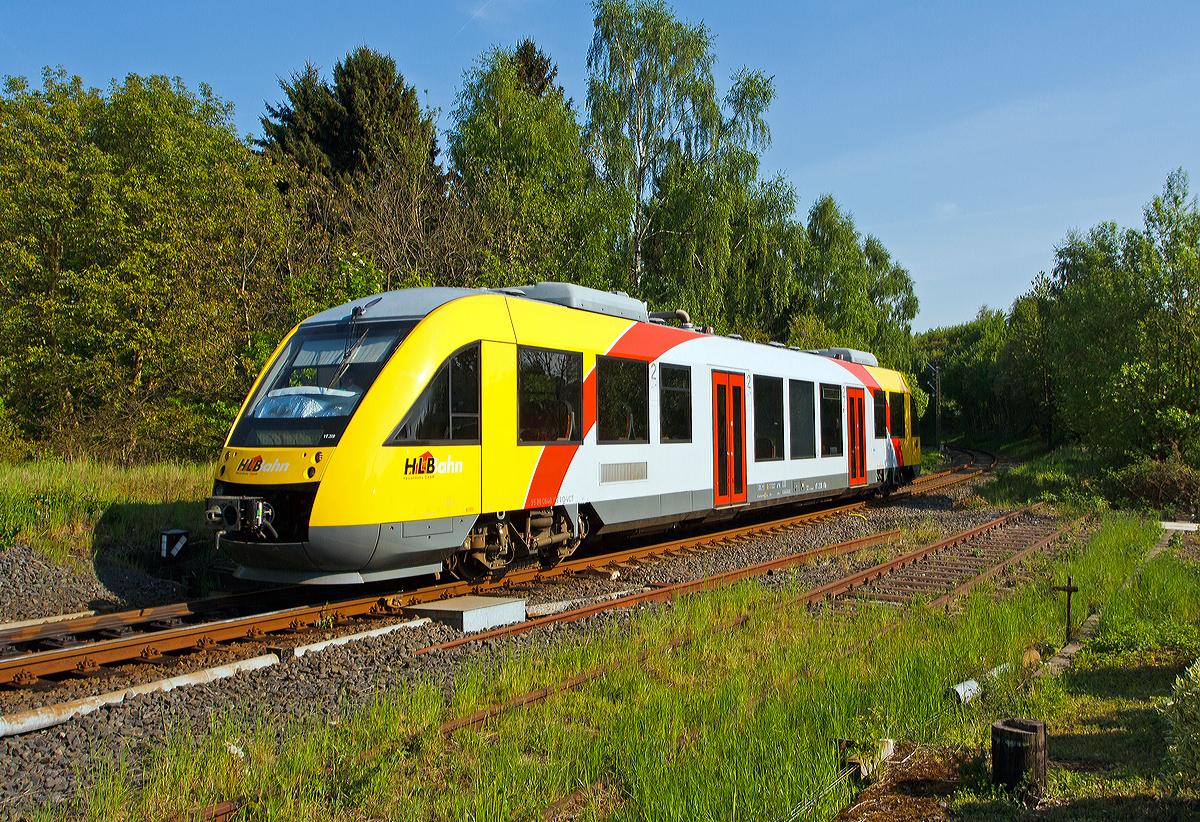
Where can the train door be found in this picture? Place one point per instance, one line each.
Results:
(729, 438)
(857, 435)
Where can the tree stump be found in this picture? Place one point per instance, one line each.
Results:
(1019, 754)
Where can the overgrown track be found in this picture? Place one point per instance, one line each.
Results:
(1003, 542)
(169, 635)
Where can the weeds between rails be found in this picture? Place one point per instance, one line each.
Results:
(388, 759)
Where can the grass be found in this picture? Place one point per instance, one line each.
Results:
(1066, 479)
(1105, 735)
(73, 511)
(732, 724)
(933, 461)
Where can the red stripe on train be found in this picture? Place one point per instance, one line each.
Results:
(646, 341)
(860, 372)
(554, 460)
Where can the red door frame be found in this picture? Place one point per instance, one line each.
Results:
(857, 434)
(729, 438)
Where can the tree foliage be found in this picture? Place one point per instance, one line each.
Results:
(367, 121)
(138, 244)
(653, 104)
(518, 152)
(1105, 351)
(854, 289)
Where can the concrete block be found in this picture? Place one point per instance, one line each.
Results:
(472, 613)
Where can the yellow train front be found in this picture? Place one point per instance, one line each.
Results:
(449, 429)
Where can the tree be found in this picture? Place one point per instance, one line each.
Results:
(367, 121)
(852, 285)
(535, 71)
(725, 246)
(518, 151)
(139, 243)
(1124, 339)
(966, 355)
(1024, 370)
(652, 101)
(359, 157)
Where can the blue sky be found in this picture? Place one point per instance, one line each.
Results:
(969, 137)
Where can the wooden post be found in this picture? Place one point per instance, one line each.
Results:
(1070, 588)
(1019, 754)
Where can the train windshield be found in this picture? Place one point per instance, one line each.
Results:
(311, 389)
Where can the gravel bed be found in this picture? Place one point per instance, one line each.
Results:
(31, 586)
(46, 767)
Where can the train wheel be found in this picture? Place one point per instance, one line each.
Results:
(465, 567)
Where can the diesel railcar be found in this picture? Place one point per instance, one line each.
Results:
(439, 429)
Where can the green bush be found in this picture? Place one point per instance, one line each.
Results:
(1182, 713)
(1143, 635)
(1155, 482)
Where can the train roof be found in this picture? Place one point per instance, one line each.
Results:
(415, 303)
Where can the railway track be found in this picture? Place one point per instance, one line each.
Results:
(947, 569)
(35, 656)
(1000, 544)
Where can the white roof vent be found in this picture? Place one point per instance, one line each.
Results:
(849, 355)
(612, 303)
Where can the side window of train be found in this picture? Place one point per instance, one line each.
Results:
(831, 420)
(549, 396)
(899, 429)
(622, 400)
(768, 418)
(803, 417)
(675, 403)
(881, 415)
(448, 408)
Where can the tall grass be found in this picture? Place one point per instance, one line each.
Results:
(74, 510)
(733, 724)
(1066, 479)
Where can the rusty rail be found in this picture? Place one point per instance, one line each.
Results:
(671, 591)
(848, 583)
(89, 659)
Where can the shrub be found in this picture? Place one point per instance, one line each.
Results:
(1155, 482)
(1182, 713)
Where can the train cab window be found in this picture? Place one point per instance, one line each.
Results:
(675, 404)
(881, 415)
(312, 389)
(622, 400)
(549, 396)
(802, 413)
(831, 420)
(448, 408)
(768, 418)
(899, 428)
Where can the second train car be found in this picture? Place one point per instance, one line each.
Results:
(439, 429)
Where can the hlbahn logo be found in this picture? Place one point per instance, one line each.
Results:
(255, 465)
(427, 465)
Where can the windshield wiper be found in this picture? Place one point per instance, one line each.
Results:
(345, 363)
(355, 313)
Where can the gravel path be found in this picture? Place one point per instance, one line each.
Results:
(45, 767)
(31, 587)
